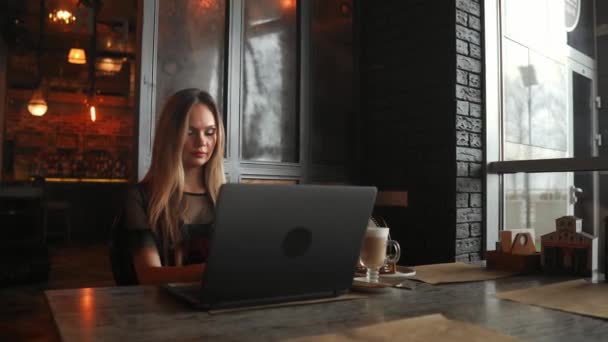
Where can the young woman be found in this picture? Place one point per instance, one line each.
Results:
(168, 215)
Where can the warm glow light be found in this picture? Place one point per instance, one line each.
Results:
(207, 4)
(38, 108)
(203, 7)
(37, 105)
(77, 56)
(87, 307)
(93, 115)
(288, 4)
(62, 16)
(109, 65)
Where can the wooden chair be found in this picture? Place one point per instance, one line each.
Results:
(397, 199)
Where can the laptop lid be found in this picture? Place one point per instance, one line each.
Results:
(275, 243)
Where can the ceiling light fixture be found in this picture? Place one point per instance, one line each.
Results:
(77, 56)
(62, 16)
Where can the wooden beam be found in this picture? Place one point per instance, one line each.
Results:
(549, 165)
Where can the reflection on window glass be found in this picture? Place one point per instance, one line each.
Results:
(536, 114)
(548, 108)
(515, 63)
(538, 24)
(269, 82)
(535, 200)
(537, 118)
(190, 48)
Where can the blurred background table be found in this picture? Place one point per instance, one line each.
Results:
(24, 256)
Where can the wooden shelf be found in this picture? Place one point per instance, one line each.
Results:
(84, 180)
(63, 97)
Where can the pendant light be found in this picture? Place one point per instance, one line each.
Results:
(91, 63)
(93, 113)
(37, 105)
(77, 56)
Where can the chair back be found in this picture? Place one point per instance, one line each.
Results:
(121, 258)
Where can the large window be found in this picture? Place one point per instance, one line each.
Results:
(536, 65)
(541, 117)
(190, 31)
(270, 55)
(282, 72)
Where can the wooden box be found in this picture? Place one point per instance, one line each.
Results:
(525, 264)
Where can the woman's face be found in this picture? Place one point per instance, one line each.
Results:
(201, 137)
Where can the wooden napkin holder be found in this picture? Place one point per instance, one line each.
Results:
(525, 264)
(516, 253)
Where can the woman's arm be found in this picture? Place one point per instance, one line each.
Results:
(149, 270)
(146, 257)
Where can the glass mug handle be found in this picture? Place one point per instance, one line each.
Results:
(395, 254)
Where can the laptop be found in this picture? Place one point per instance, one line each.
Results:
(279, 243)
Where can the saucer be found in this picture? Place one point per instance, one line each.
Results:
(401, 272)
(360, 284)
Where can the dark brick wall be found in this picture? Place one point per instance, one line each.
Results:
(36, 138)
(421, 105)
(469, 130)
(408, 77)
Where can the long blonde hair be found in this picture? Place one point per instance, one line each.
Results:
(165, 179)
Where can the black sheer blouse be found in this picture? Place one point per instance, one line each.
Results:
(195, 228)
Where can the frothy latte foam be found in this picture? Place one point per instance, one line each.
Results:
(373, 251)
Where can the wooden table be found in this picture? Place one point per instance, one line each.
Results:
(145, 313)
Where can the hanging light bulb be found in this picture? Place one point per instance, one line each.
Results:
(37, 105)
(93, 113)
(77, 56)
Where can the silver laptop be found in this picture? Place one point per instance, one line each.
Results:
(277, 243)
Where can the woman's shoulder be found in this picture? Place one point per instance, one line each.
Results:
(136, 207)
(137, 195)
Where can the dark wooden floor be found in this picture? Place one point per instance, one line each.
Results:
(24, 314)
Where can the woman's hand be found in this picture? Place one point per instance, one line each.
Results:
(149, 269)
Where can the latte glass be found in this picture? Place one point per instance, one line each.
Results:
(373, 251)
